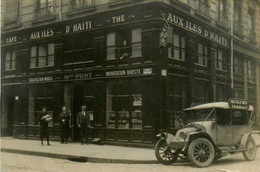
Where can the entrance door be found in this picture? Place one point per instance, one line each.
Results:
(78, 100)
(7, 112)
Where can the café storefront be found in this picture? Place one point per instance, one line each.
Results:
(113, 62)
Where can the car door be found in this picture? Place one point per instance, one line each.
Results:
(224, 130)
(240, 125)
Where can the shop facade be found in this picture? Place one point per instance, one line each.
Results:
(114, 63)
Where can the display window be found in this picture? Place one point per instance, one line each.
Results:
(124, 104)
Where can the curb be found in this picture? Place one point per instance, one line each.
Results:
(79, 158)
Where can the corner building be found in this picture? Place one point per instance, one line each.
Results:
(107, 54)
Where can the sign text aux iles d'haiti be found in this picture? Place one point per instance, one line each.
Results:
(189, 25)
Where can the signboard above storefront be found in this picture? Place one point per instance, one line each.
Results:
(192, 26)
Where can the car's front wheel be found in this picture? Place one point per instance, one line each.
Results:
(201, 152)
(250, 152)
(164, 153)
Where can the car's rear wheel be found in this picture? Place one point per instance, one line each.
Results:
(201, 152)
(250, 152)
(164, 153)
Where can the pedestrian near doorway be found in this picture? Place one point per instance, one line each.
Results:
(83, 121)
(64, 118)
(44, 118)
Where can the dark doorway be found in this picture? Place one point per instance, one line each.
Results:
(78, 100)
(7, 111)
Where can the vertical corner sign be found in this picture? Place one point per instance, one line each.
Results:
(163, 37)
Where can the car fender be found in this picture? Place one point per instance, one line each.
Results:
(243, 140)
(201, 134)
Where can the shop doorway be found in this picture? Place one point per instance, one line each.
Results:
(83, 94)
(7, 112)
(78, 100)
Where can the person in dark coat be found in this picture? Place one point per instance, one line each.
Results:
(44, 129)
(64, 118)
(83, 121)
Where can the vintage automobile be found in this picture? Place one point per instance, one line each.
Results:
(210, 131)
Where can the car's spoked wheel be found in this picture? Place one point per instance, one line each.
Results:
(250, 152)
(164, 153)
(201, 152)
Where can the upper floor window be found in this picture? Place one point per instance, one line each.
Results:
(10, 58)
(78, 49)
(177, 51)
(124, 44)
(238, 65)
(204, 7)
(45, 8)
(237, 11)
(251, 19)
(42, 55)
(220, 58)
(111, 43)
(76, 4)
(250, 69)
(12, 11)
(202, 57)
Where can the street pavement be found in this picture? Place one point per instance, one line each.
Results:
(85, 153)
(26, 163)
(92, 152)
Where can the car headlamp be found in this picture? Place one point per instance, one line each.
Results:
(183, 135)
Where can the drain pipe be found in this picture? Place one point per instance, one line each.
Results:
(232, 46)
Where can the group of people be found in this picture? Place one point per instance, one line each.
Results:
(83, 122)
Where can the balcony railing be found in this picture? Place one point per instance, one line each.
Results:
(203, 7)
(81, 4)
(223, 18)
(238, 27)
(46, 11)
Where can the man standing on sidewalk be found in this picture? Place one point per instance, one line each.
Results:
(83, 121)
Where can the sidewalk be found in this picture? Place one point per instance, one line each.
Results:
(85, 153)
(89, 153)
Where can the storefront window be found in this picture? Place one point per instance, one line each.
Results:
(48, 96)
(124, 104)
(202, 92)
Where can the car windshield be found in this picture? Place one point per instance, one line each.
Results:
(197, 115)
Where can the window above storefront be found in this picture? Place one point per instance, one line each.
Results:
(45, 8)
(42, 55)
(10, 60)
(81, 4)
(124, 44)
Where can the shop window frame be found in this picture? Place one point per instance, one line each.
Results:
(127, 117)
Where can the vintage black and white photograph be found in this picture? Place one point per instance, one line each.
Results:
(130, 85)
